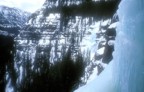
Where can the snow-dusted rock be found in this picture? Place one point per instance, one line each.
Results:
(111, 42)
(12, 19)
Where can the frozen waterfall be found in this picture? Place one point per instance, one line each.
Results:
(126, 72)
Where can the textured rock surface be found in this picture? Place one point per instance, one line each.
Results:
(59, 26)
(85, 34)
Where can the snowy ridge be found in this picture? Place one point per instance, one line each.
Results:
(13, 16)
(12, 19)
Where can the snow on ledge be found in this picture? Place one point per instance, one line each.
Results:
(113, 25)
(101, 51)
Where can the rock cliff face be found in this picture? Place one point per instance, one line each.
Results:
(83, 27)
(11, 21)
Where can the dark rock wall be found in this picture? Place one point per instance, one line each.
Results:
(6, 59)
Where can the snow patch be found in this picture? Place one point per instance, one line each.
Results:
(105, 23)
(101, 51)
(113, 25)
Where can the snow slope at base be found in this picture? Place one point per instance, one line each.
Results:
(102, 83)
